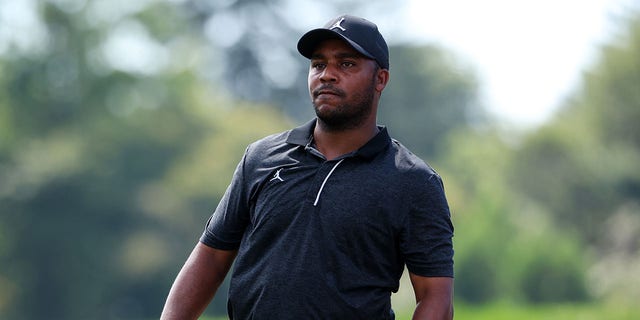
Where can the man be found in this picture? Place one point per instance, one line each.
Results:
(322, 219)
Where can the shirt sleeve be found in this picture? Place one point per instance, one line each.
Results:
(225, 228)
(427, 242)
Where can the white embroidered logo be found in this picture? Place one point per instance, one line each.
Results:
(337, 25)
(276, 176)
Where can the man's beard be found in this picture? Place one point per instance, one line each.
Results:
(349, 115)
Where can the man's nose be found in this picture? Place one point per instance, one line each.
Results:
(328, 74)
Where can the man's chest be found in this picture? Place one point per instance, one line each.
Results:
(339, 199)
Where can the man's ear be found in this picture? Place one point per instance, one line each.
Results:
(382, 78)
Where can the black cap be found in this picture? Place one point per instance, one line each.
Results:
(361, 34)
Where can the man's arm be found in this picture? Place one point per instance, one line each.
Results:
(434, 297)
(197, 282)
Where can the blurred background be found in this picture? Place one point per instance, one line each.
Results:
(121, 123)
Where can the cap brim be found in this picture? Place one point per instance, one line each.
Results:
(310, 40)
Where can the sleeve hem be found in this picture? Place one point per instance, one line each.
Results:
(212, 241)
(446, 272)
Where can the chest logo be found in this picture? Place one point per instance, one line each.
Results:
(276, 176)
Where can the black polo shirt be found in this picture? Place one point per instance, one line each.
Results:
(322, 239)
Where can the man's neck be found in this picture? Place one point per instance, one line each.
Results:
(333, 144)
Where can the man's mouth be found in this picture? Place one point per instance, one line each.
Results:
(327, 91)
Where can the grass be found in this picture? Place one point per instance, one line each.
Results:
(504, 311)
(544, 312)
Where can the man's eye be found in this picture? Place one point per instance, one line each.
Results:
(318, 66)
(348, 64)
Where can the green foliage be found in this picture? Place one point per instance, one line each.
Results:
(105, 214)
(566, 165)
(587, 160)
(107, 173)
(549, 268)
(503, 251)
(583, 167)
(430, 93)
(610, 96)
(505, 311)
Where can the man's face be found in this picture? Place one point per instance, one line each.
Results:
(341, 84)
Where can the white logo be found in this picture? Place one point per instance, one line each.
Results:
(337, 25)
(276, 176)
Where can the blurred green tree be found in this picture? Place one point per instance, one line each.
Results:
(506, 249)
(584, 165)
(545, 216)
(587, 160)
(430, 94)
(113, 152)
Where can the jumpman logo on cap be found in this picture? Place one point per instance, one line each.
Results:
(337, 25)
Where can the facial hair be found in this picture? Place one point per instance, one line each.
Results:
(350, 114)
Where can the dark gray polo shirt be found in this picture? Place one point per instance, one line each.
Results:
(322, 239)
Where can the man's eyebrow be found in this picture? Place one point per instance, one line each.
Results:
(316, 56)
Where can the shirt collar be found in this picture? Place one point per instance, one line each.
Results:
(301, 136)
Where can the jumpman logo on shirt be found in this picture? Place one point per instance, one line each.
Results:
(276, 176)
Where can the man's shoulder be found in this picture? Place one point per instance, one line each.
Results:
(289, 138)
(272, 139)
(267, 145)
(409, 162)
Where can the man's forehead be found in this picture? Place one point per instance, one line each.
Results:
(335, 47)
